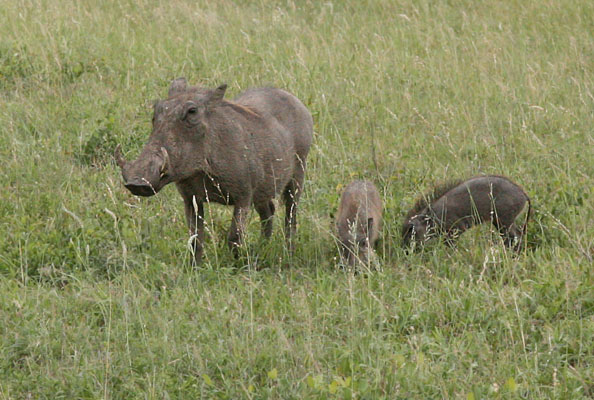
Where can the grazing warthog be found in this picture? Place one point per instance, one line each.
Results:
(358, 222)
(455, 207)
(240, 152)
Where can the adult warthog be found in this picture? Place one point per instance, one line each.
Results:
(239, 153)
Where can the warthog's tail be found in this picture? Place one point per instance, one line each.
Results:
(528, 214)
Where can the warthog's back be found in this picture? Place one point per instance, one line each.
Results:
(481, 196)
(287, 109)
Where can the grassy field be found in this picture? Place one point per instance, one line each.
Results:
(98, 298)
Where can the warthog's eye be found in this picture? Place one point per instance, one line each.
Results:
(190, 112)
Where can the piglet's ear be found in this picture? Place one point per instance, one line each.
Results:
(218, 94)
(177, 86)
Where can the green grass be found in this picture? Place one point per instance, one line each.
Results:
(98, 297)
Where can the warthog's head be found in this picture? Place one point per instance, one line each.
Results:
(417, 229)
(176, 147)
(358, 249)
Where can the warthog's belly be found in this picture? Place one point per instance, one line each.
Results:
(215, 192)
(206, 188)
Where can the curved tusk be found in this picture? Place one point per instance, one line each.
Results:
(118, 156)
(165, 165)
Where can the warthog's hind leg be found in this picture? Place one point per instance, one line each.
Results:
(291, 196)
(236, 234)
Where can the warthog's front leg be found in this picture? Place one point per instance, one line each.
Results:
(195, 219)
(238, 225)
(266, 212)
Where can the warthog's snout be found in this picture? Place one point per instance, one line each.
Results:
(145, 176)
(140, 187)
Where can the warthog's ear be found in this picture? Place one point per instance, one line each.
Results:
(177, 86)
(217, 94)
(425, 219)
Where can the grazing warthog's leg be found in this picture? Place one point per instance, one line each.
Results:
(266, 211)
(450, 238)
(238, 225)
(291, 196)
(511, 234)
(512, 237)
(195, 219)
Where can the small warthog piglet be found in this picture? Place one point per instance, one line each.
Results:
(359, 221)
(455, 207)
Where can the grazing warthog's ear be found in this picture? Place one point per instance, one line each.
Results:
(217, 94)
(425, 219)
(407, 228)
(177, 86)
(419, 220)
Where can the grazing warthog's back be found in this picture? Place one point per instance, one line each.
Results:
(481, 197)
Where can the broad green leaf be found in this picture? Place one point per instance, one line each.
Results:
(511, 385)
(272, 374)
(333, 387)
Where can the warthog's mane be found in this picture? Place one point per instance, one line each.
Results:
(240, 108)
(426, 199)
